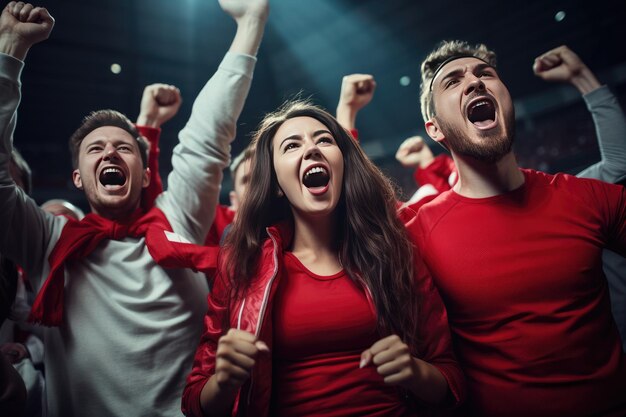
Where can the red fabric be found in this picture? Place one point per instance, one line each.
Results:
(224, 216)
(322, 324)
(79, 238)
(355, 134)
(521, 277)
(437, 173)
(422, 201)
(225, 311)
(152, 134)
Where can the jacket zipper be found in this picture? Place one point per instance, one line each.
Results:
(264, 305)
(243, 303)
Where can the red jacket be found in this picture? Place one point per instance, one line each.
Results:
(253, 314)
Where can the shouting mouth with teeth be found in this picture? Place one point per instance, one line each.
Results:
(316, 179)
(481, 112)
(112, 177)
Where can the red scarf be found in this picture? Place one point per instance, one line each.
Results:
(79, 238)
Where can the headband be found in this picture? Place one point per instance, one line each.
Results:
(450, 59)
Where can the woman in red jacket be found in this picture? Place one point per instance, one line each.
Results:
(321, 305)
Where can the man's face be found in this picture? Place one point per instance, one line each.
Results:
(240, 183)
(474, 114)
(110, 171)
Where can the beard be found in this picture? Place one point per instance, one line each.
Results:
(490, 147)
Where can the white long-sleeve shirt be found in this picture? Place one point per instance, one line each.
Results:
(130, 327)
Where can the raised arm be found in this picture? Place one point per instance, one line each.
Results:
(357, 90)
(26, 229)
(434, 175)
(22, 26)
(414, 153)
(159, 103)
(250, 17)
(204, 148)
(563, 65)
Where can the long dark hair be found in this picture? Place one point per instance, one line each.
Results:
(372, 241)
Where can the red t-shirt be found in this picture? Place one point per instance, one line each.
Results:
(528, 306)
(322, 324)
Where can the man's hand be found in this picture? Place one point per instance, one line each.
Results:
(414, 152)
(357, 90)
(159, 103)
(251, 16)
(21, 26)
(563, 65)
(242, 9)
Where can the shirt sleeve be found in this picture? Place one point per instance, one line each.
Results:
(434, 332)
(204, 149)
(616, 218)
(604, 208)
(152, 135)
(28, 233)
(436, 174)
(610, 124)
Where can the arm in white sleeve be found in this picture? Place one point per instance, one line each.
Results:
(204, 149)
(27, 231)
(610, 124)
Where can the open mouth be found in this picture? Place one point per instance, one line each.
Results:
(316, 177)
(111, 177)
(482, 112)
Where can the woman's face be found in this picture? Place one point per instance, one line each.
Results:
(308, 165)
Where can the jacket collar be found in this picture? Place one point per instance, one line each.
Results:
(282, 232)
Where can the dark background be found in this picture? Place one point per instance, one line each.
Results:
(308, 47)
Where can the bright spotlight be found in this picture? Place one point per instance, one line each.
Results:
(116, 68)
(559, 16)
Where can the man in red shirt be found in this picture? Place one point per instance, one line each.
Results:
(516, 255)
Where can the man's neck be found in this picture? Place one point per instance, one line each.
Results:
(118, 216)
(478, 179)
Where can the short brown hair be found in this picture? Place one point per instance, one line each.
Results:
(246, 154)
(442, 53)
(101, 118)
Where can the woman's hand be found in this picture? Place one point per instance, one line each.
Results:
(236, 355)
(394, 362)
